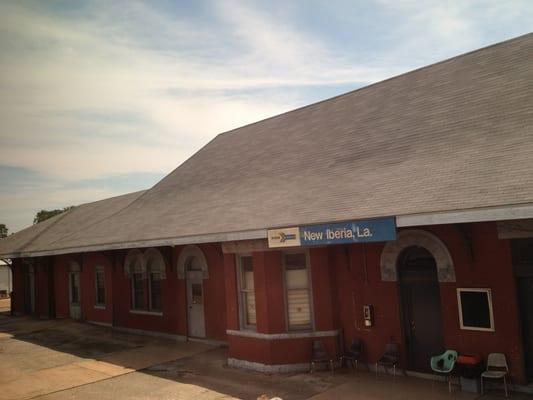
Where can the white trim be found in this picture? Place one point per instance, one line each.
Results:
(99, 306)
(144, 312)
(265, 368)
(501, 213)
(281, 336)
(416, 237)
(491, 314)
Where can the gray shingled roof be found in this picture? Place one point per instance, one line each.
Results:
(455, 135)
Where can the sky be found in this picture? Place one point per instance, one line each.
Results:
(101, 98)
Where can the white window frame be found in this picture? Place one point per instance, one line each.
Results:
(311, 326)
(460, 307)
(242, 309)
(99, 269)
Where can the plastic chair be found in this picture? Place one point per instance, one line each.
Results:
(320, 355)
(444, 364)
(354, 353)
(496, 369)
(390, 358)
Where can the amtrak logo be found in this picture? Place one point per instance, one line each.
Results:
(285, 237)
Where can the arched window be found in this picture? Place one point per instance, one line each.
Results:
(146, 272)
(155, 267)
(192, 258)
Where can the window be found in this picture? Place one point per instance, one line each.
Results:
(297, 291)
(247, 292)
(475, 309)
(154, 278)
(100, 286)
(138, 292)
(74, 287)
(146, 271)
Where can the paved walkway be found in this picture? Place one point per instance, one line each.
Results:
(61, 359)
(40, 357)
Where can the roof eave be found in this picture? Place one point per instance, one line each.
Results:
(502, 213)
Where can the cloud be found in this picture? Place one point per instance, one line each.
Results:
(97, 91)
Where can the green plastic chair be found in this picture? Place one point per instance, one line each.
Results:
(443, 364)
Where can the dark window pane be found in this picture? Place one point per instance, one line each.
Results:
(522, 251)
(74, 288)
(155, 291)
(197, 293)
(295, 260)
(475, 309)
(246, 262)
(138, 292)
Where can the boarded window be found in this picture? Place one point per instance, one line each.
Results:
(297, 287)
(475, 309)
(247, 292)
(100, 286)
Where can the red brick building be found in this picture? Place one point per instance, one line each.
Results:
(442, 154)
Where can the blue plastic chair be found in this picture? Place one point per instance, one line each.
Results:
(443, 364)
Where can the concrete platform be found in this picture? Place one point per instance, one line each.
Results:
(63, 359)
(41, 357)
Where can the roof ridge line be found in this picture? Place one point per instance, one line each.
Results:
(378, 82)
(335, 97)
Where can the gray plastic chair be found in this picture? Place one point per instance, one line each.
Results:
(320, 355)
(496, 369)
(390, 358)
(353, 354)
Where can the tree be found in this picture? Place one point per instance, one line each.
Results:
(3, 231)
(45, 214)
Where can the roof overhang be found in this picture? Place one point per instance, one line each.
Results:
(511, 212)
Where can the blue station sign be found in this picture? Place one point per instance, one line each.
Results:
(370, 230)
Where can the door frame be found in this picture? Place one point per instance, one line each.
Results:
(186, 256)
(192, 278)
(74, 270)
(406, 305)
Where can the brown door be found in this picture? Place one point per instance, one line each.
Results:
(525, 293)
(523, 269)
(421, 308)
(29, 290)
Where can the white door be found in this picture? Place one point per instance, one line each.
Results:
(74, 295)
(195, 304)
